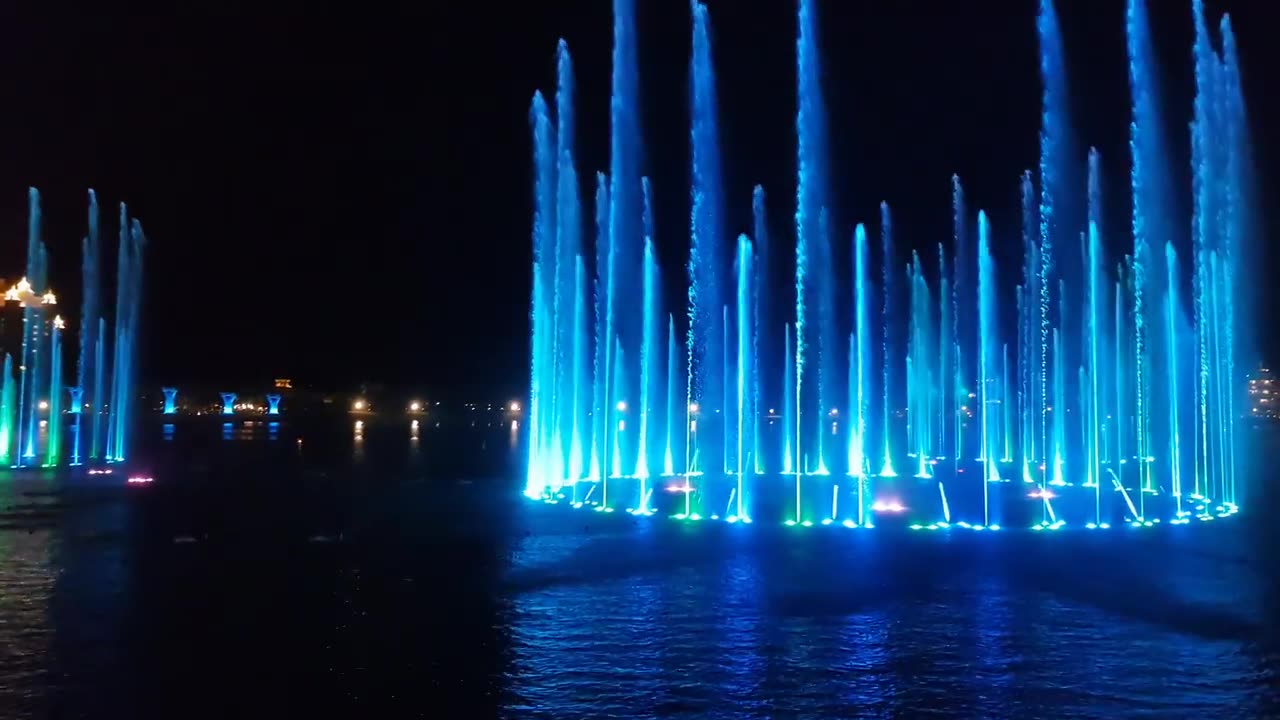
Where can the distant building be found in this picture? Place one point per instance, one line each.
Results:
(1264, 395)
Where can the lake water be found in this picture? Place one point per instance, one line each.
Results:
(391, 577)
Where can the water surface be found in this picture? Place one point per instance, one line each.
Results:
(258, 577)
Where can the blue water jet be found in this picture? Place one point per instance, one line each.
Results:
(707, 251)
(887, 340)
(763, 361)
(626, 241)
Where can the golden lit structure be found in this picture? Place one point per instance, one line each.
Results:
(22, 293)
(1264, 395)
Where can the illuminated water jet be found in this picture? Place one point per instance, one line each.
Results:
(1083, 370)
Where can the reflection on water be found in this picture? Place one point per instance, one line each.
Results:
(315, 583)
(27, 580)
(703, 622)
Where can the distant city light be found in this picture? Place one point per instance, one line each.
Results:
(415, 406)
(515, 406)
(693, 407)
(358, 405)
(622, 406)
(140, 479)
(44, 405)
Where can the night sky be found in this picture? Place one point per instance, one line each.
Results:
(341, 195)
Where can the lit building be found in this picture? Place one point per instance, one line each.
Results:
(1264, 395)
(17, 297)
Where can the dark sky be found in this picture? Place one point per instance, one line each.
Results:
(340, 193)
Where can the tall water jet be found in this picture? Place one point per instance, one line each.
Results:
(1058, 415)
(601, 404)
(1030, 344)
(988, 335)
(860, 356)
(860, 353)
(650, 346)
(946, 417)
(762, 351)
(706, 252)
(1006, 408)
(1172, 332)
(1220, 222)
(814, 283)
(920, 354)
(886, 340)
(569, 341)
(128, 311)
(1151, 205)
(90, 312)
(1095, 304)
(1123, 352)
(53, 442)
(99, 385)
(747, 411)
(8, 411)
(581, 412)
(542, 345)
(617, 428)
(30, 370)
(1056, 156)
(728, 373)
(675, 409)
(962, 296)
(789, 404)
(625, 209)
(1241, 224)
(1203, 228)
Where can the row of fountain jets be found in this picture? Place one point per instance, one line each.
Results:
(101, 398)
(1097, 370)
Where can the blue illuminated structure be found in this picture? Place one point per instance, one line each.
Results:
(273, 404)
(170, 400)
(1090, 383)
(76, 408)
(228, 403)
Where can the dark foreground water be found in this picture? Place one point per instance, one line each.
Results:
(365, 578)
